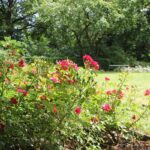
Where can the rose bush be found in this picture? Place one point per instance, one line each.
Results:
(36, 104)
(111, 116)
(50, 106)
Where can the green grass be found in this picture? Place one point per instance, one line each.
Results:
(141, 81)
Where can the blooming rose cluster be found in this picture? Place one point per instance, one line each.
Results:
(11, 65)
(90, 63)
(63, 72)
(67, 64)
(119, 93)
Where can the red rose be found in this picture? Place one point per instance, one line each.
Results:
(21, 63)
(54, 109)
(90, 63)
(114, 91)
(77, 110)
(107, 78)
(95, 65)
(13, 101)
(106, 107)
(25, 93)
(147, 92)
(120, 94)
(109, 92)
(66, 64)
(87, 57)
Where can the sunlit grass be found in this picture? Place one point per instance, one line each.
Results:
(141, 82)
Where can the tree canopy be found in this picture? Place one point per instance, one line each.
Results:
(114, 30)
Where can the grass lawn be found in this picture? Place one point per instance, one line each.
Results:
(142, 82)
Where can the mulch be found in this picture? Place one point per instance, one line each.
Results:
(136, 145)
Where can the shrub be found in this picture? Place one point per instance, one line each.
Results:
(41, 104)
(35, 104)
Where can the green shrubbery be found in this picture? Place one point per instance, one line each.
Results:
(50, 106)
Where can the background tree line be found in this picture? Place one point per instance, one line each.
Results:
(112, 31)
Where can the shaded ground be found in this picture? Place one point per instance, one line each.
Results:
(133, 145)
(137, 145)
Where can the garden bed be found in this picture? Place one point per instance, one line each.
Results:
(49, 107)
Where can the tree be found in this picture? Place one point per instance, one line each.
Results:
(16, 16)
(99, 27)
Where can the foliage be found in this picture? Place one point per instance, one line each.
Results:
(41, 104)
(37, 102)
(100, 28)
(39, 48)
(64, 28)
(13, 46)
(16, 16)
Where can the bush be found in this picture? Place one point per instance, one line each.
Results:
(41, 104)
(37, 101)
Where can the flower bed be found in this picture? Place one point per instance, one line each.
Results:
(41, 104)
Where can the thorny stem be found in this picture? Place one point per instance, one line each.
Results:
(122, 82)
